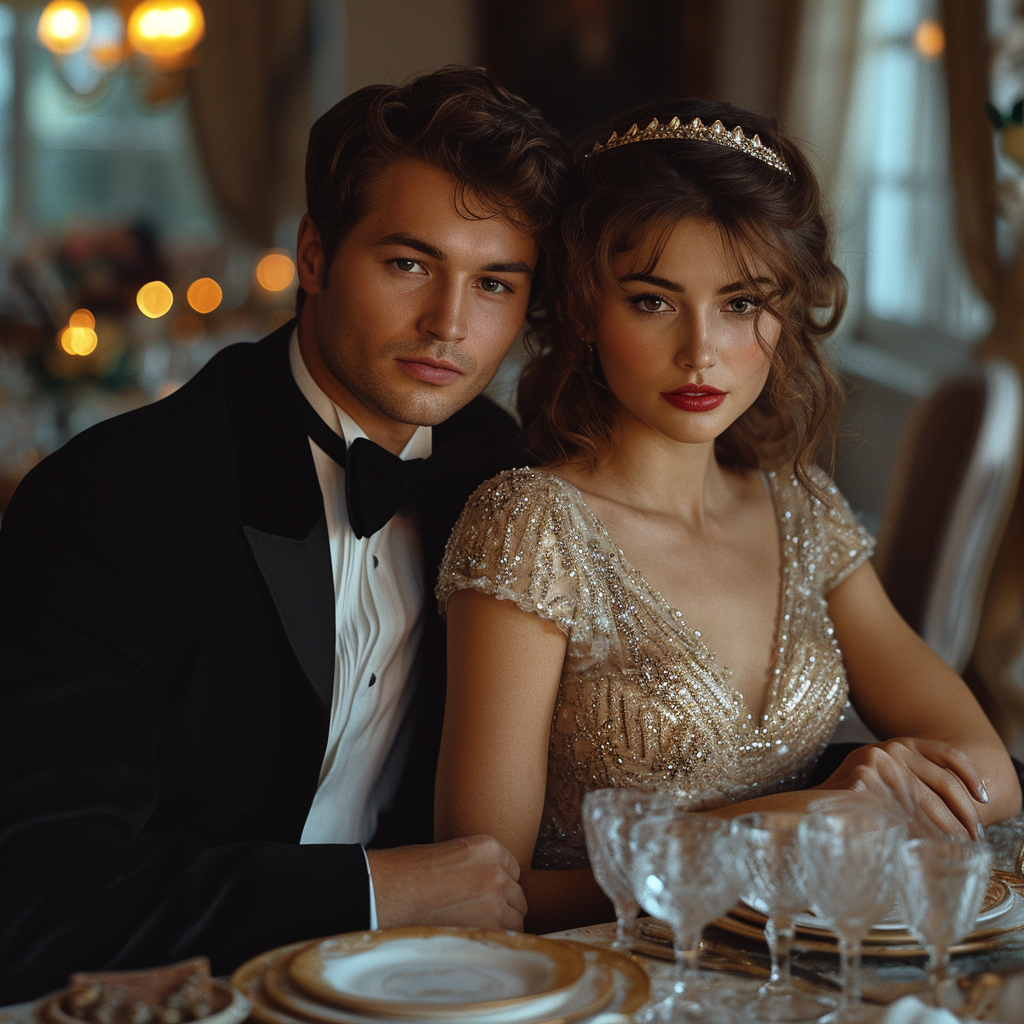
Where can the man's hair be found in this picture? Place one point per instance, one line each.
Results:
(503, 155)
(628, 199)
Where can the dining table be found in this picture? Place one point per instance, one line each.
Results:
(735, 948)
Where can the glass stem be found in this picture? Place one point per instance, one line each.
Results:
(625, 925)
(849, 953)
(779, 933)
(938, 970)
(687, 949)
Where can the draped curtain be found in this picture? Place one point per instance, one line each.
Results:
(248, 97)
(997, 669)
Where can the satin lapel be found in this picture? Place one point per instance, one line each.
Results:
(282, 507)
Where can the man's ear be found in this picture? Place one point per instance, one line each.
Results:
(309, 257)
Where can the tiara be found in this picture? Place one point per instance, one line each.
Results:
(697, 131)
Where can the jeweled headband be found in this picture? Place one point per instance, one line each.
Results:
(697, 131)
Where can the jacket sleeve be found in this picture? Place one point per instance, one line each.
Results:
(91, 645)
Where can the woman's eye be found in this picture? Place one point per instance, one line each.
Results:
(407, 266)
(493, 285)
(743, 304)
(649, 303)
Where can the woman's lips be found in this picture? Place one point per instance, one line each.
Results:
(430, 370)
(695, 398)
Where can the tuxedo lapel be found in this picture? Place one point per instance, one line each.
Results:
(282, 508)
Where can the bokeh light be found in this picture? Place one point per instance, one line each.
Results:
(82, 318)
(78, 341)
(204, 295)
(275, 271)
(64, 26)
(929, 40)
(166, 28)
(155, 299)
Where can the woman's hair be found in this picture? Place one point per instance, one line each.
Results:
(627, 198)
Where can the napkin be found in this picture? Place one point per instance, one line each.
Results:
(910, 1010)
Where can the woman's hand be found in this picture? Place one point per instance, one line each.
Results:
(929, 780)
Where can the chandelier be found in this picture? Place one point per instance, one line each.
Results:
(155, 40)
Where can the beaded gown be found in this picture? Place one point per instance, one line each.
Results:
(642, 701)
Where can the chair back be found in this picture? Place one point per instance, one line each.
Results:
(954, 480)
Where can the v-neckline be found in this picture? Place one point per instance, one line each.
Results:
(692, 634)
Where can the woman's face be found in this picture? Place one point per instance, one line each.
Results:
(677, 345)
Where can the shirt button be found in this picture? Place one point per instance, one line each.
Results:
(376, 561)
(373, 678)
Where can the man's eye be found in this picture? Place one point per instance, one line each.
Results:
(493, 285)
(406, 265)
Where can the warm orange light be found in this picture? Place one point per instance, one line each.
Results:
(78, 341)
(275, 271)
(166, 28)
(82, 318)
(204, 295)
(64, 26)
(154, 299)
(929, 40)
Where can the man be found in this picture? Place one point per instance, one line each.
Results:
(217, 651)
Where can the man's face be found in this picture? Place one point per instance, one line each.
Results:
(419, 304)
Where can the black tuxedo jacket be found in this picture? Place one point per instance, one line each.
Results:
(166, 670)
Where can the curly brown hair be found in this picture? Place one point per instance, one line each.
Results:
(504, 156)
(628, 199)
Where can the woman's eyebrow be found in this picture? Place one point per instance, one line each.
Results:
(738, 286)
(658, 282)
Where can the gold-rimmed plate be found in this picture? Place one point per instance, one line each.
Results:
(612, 982)
(435, 972)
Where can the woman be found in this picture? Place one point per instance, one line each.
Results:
(664, 602)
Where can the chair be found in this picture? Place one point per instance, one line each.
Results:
(953, 484)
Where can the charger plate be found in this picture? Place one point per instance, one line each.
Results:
(436, 972)
(629, 990)
(749, 924)
(998, 901)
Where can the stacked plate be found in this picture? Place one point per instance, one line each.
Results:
(1002, 912)
(427, 974)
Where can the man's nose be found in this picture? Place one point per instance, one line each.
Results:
(444, 316)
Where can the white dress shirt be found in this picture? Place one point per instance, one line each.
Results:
(379, 611)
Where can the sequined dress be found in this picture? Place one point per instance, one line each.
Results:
(642, 701)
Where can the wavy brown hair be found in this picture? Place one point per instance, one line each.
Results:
(628, 199)
(503, 155)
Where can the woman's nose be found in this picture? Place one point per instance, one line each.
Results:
(697, 350)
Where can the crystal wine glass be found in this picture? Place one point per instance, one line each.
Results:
(944, 881)
(849, 861)
(685, 871)
(608, 817)
(775, 884)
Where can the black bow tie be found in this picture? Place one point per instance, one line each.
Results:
(377, 483)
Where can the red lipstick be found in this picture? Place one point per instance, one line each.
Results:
(695, 397)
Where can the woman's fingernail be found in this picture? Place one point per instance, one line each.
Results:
(983, 792)
(981, 831)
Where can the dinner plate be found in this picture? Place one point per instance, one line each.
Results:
(436, 972)
(998, 900)
(612, 983)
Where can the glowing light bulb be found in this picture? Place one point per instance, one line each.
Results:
(78, 341)
(204, 295)
(154, 299)
(64, 26)
(275, 271)
(929, 40)
(164, 29)
(82, 318)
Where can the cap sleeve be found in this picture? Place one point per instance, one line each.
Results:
(845, 544)
(512, 541)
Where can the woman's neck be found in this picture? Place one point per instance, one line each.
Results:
(653, 473)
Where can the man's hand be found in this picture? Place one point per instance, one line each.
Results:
(471, 882)
(931, 781)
